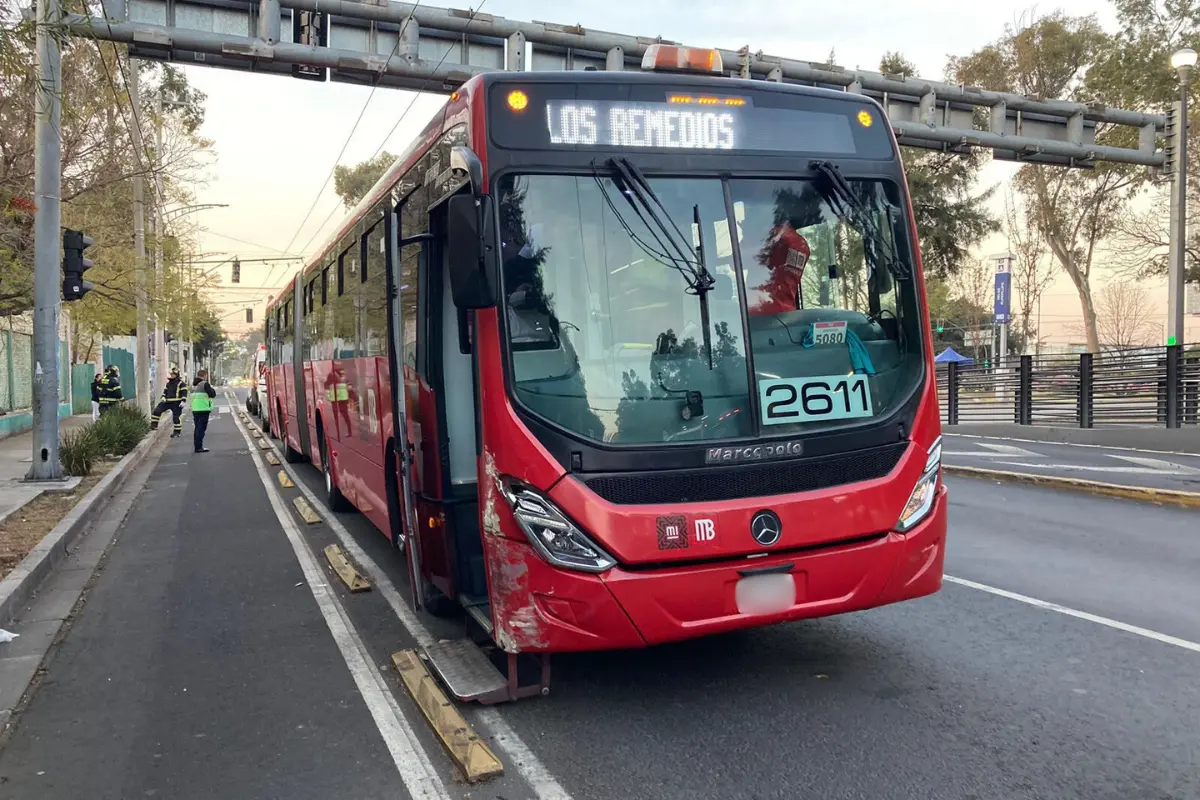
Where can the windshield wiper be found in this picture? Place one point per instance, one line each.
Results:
(834, 186)
(636, 189)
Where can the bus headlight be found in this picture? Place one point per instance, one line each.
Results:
(925, 492)
(554, 536)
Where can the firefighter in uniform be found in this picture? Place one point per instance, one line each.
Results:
(110, 388)
(174, 393)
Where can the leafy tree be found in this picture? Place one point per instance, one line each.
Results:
(951, 217)
(1135, 73)
(1073, 210)
(352, 183)
(98, 162)
(206, 331)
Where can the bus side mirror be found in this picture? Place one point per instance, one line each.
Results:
(472, 259)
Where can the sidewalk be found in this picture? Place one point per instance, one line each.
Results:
(1170, 440)
(16, 457)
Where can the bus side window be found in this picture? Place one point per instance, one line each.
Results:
(414, 219)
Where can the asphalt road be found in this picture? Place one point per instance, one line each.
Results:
(966, 694)
(1122, 466)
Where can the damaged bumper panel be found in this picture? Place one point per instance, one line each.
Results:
(541, 608)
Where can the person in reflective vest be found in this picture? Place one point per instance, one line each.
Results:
(201, 397)
(337, 392)
(110, 388)
(174, 393)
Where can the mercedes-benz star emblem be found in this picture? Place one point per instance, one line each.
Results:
(766, 528)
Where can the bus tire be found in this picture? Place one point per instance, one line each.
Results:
(333, 495)
(290, 455)
(437, 604)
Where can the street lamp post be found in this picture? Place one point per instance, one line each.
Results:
(1182, 61)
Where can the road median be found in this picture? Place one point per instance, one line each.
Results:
(1141, 493)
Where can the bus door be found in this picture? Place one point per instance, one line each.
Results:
(402, 264)
(298, 382)
(441, 415)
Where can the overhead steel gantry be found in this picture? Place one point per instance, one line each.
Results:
(408, 46)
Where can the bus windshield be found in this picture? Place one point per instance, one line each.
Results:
(611, 338)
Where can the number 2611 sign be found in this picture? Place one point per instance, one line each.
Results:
(832, 397)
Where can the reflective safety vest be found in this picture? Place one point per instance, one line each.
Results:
(342, 393)
(200, 401)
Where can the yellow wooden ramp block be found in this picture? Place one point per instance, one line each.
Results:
(272, 459)
(306, 511)
(255, 434)
(263, 444)
(284, 480)
(469, 752)
(345, 570)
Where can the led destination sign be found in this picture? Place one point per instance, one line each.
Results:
(640, 125)
(641, 117)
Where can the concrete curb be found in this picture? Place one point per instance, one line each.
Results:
(23, 582)
(1142, 493)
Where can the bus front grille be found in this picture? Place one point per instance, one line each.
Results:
(746, 480)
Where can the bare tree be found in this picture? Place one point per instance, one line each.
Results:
(973, 283)
(1032, 272)
(1124, 317)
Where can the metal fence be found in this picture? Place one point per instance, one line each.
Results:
(1156, 386)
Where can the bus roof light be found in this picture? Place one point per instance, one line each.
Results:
(672, 58)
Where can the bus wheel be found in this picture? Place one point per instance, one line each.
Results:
(333, 495)
(437, 604)
(290, 455)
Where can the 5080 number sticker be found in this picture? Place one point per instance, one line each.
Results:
(831, 397)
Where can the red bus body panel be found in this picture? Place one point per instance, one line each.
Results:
(841, 542)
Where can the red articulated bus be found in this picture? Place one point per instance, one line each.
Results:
(622, 358)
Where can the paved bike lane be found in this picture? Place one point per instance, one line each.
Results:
(200, 665)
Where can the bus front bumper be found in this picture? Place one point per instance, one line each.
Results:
(553, 610)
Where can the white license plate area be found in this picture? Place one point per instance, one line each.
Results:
(765, 594)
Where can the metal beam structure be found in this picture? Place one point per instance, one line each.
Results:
(406, 46)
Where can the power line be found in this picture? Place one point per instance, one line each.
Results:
(385, 138)
(261, 247)
(362, 111)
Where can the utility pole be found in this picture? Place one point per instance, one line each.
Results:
(160, 333)
(139, 245)
(1182, 61)
(47, 160)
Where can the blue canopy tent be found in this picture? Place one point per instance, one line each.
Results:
(949, 356)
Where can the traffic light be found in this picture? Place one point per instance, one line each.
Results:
(74, 287)
(236, 277)
(941, 326)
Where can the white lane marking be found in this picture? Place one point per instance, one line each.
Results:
(1096, 468)
(527, 765)
(411, 760)
(995, 451)
(1071, 612)
(1071, 444)
(1169, 467)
